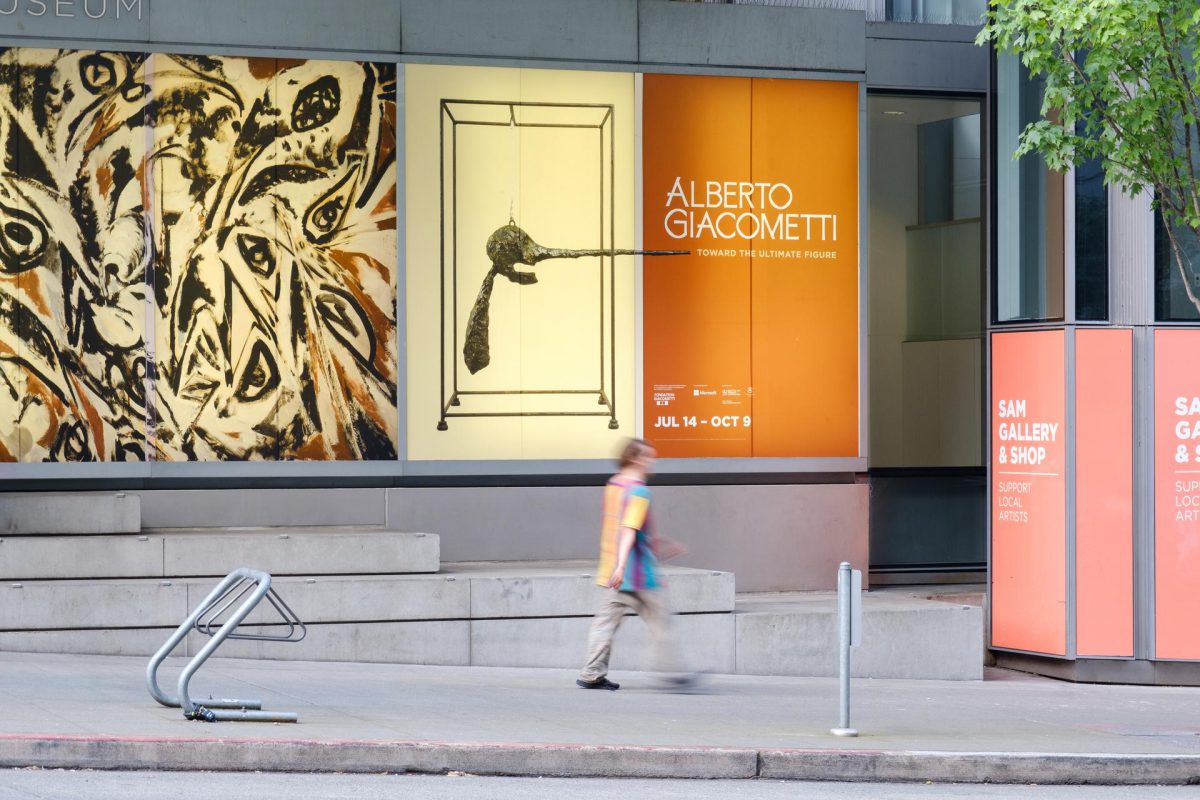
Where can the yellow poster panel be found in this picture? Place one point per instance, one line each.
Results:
(520, 306)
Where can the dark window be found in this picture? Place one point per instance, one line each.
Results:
(1172, 302)
(1029, 214)
(1091, 242)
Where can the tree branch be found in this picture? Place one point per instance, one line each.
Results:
(1184, 272)
(1185, 91)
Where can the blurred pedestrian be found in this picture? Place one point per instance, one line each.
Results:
(630, 552)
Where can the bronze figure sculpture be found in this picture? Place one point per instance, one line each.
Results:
(506, 248)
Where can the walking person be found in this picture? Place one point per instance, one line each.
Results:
(630, 550)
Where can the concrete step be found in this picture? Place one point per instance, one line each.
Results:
(905, 635)
(486, 614)
(117, 603)
(194, 552)
(903, 638)
(705, 643)
(299, 551)
(702, 643)
(50, 513)
(432, 619)
(497, 590)
(513, 589)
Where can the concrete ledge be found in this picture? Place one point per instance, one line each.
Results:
(705, 643)
(508, 615)
(68, 557)
(903, 637)
(220, 508)
(948, 767)
(438, 642)
(90, 512)
(702, 643)
(358, 598)
(46, 605)
(140, 642)
(499, 592)
(300, 551)
(136, 603)
(171, 554)
(568, 588)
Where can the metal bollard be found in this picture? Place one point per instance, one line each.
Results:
(845, 639)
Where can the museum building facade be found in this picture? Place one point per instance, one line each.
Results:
(428, 264)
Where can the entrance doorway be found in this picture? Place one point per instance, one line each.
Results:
(928, 510)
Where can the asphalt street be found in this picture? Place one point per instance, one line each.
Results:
(89, 785)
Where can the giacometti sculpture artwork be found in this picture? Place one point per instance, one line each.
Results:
(507, 247)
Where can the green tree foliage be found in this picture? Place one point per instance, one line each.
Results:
(1121, 84)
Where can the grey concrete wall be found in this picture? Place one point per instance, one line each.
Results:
(501, 523)
(941, 58)
(773, 538)
(81, 512)
(367, 25)
(628, 33)
(575, 30)
(206, 508)
(751, 36)
(356, 25)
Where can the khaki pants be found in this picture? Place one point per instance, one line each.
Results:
(648, 605)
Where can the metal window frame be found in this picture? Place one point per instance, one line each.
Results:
(403, 471)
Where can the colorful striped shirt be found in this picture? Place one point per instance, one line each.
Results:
(627, 505)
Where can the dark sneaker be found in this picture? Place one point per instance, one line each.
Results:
(599, 683)
(680, 683)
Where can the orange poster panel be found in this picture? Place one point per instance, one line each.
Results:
(804, 291)
(1176, 493)
(1104, 492)
(1029, 582)
(696, 318)
(751, 341)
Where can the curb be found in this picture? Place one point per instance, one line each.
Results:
(898, 766)
(591, 761)
(268, 755)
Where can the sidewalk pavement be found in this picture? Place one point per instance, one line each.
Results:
(62, 711)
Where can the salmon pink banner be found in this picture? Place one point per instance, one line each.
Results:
(1176, 493)
(1029, 492)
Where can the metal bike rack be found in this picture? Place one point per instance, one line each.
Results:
(236, 585)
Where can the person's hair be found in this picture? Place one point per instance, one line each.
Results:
(633, 449)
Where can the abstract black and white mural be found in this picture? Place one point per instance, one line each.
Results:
(197, 257)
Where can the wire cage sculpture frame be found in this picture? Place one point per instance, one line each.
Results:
(454, 392)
